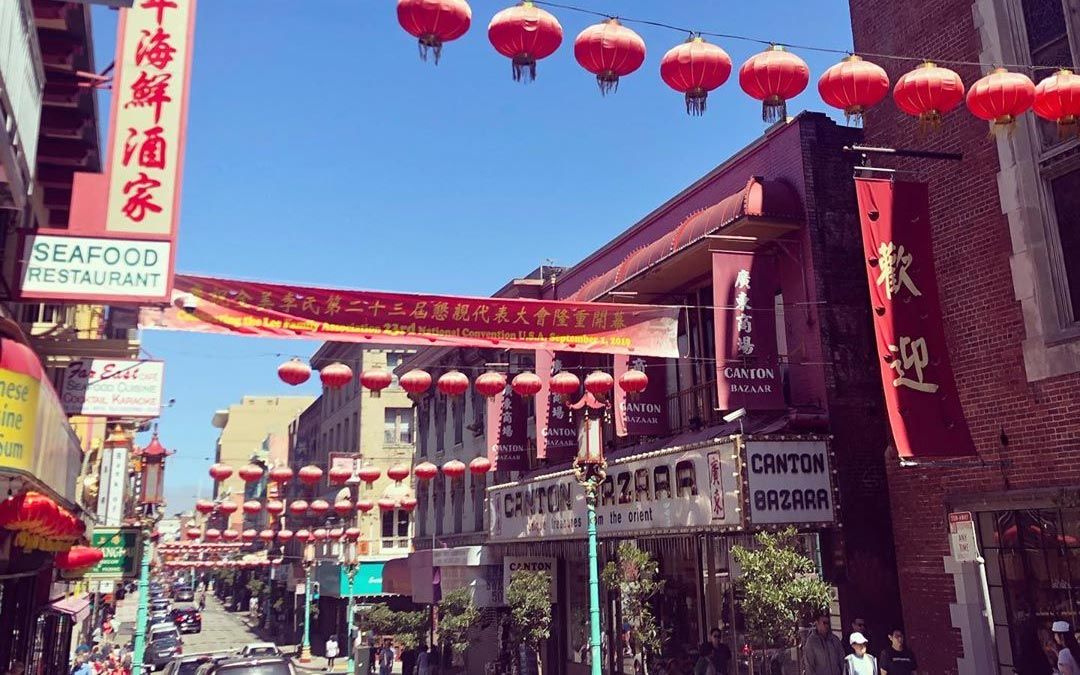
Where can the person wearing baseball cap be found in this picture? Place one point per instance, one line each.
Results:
(1068, 650)
(860, 662)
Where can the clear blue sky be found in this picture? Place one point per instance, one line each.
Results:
(320, 149)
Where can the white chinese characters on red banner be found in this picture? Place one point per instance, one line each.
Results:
(149, 112)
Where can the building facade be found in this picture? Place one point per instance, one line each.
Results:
(1006, 226)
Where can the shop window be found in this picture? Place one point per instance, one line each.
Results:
(397, 427)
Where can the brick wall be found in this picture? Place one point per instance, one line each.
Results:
(983, 323)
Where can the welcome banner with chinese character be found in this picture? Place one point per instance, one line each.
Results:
(508, 432)
(286, 311)
(748, 371)
(920, 392)
(556, 433)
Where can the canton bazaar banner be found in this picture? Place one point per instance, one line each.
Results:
(557, 432)
(213, 305)
(508, 431)
(644, 414)
(920, 392)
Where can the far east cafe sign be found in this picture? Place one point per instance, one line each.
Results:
(121, 237)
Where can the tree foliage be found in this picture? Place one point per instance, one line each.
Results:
(457, 616)
(410, 628)
(634, 575)
(529, 598)
(781, 588)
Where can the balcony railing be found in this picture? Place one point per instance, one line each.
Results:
(22, 85)
(693, 408)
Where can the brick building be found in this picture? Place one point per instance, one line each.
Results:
(1006, 229)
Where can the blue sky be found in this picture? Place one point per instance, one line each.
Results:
(320, 149)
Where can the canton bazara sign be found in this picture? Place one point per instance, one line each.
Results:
(789, 482)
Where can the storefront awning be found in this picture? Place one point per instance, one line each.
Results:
(396, 579)
(78, 608)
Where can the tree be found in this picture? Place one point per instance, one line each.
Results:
(407, 627)
(781, 589)
(633, 574)
(529, 598)
(457, 616)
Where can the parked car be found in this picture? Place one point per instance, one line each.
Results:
(260, 649)
(187, 619)
(167, 628)
(183, 594)
(160, 605)
(159, 618)
(259, 665)
(191, 664)
(161, 649)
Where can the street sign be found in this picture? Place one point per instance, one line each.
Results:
(962, 537)
(121, 547)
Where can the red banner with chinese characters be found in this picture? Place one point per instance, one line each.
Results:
(508, 432)
(212, 305)
(920, 392)
(557, 432)
(748, 371)
(644, 414)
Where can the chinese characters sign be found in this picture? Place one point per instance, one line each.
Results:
(644, 414)
(275, 310)
(920, 393)
(557, 432)
(508, 432)
(149, 113)
(748, 371)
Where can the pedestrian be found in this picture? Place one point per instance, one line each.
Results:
(1067, 649)
(858, 626)
(408, 660)
(82, 666)
(386, 658)
(721, 653)
(423, 661)
(859, 662)
(897, 658)
(822, 652)
(331, 651)
(705, 665)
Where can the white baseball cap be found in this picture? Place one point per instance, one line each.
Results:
(1060, 627)
(857, 639)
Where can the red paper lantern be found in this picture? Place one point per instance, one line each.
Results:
(220, 472)
(212, 535)
(275, 507)
(408, 504)
(281, 474)
(266, 535)
(336, 533)
(525, 34)
(352, 533)
(387, 505)
(772, 77)
(249, 535)
(304, 535)
(853, 85)
(319, 507)
(928, 92)
(434, 22)
(252, 506)
(204, 506)
(335, 375)
(1001, 97)
(369, 474)
(453, 383)
(633, 381)
(454, 468)
(565, 384)
(398, 472)
(294, 372)
(695, 68)
(310, 475)
(599, 383)
(78, 558)
(284, 535)
(490, 384)
(230, 535)
(1057, 98)
(320, 534)
(480, 466)
(343, 506)
(250, 473)
(339, 474)
(425, 471)
(376, 379)
(193, 533)
(298, 507)
(365, 505)
(527, 384)
(228, 507)
(415, 382)
(609, 50)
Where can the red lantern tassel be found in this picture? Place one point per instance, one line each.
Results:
(430, 43)
(608, 81)
(774, 109)
(695, 102)
(524, 68)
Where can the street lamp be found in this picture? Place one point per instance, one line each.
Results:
(351, 559)
(590, 469)
(309, 562)
(152, 475)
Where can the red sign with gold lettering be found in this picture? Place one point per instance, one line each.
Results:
(212, 305)
(920, 392)
(508, 432)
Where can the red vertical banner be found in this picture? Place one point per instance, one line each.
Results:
(920, 391)
(748, 371)
(507, 432)
(644, 414)
(556, 430)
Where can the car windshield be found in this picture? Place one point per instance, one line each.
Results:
(165, 641)
(276, 668)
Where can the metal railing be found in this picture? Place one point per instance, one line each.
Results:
(22, 86)
(693, 408)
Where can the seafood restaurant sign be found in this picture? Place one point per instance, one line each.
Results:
(681, 489)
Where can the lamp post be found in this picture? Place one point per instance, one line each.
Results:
(351, 559)
(152, 473)
(590, 469)
(309, 562)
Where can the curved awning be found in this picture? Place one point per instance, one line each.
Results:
(772, 207)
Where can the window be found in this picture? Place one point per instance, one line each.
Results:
(423, 424)
(1065, 191)
(458, 406)
(392, 363)
(397, 429)
(346, 440)
(354, 443)
(440, 424)
(1047, 35)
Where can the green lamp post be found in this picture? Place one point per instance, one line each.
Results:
(151, 501)
(309, 562)
(590, 469)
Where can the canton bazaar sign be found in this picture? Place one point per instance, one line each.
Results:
(789, 482)
(227, 306)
